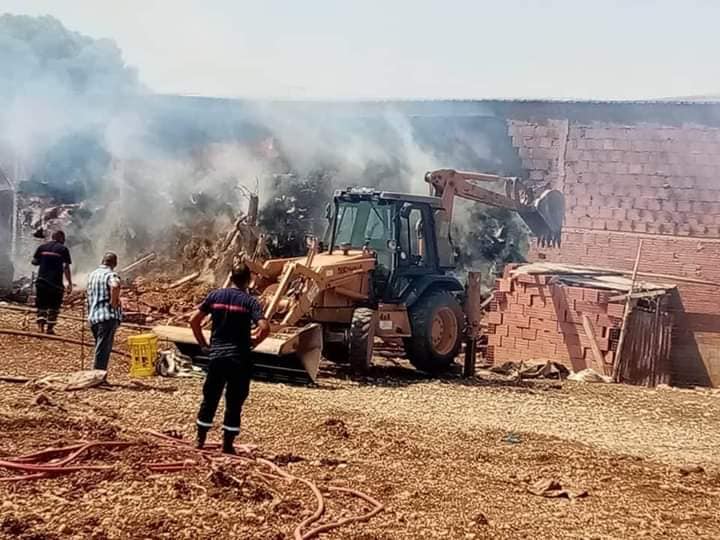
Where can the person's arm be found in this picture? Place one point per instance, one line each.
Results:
(68, 277)
(196, 324)
(262, 328)
(196, 321)
(114, 284)
(36, 258)
(259, 333)
(66, 268)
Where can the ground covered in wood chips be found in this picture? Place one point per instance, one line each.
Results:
(448, 458)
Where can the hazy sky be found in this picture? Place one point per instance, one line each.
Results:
(605, 49)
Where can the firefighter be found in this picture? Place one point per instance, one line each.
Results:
(53, 261)
(233, 311)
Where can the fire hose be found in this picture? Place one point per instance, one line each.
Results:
(57, 461)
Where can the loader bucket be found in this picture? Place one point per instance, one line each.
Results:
(545, 217)
(290, 354)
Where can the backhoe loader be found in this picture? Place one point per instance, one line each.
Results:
(383, 271)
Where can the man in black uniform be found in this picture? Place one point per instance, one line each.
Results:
(53, 260)
(233, 311)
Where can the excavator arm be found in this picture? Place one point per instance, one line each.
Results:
(544, 215)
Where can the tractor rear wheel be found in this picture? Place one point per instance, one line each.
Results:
(362, 336)
(437, 325)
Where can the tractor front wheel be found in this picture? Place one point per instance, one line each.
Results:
(362, 336)
(437, 325)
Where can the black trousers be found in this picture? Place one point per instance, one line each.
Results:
(48, 299)
(233, 375)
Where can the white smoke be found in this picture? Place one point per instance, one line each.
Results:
(85, 129)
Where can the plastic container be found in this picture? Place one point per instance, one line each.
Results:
(143, 355)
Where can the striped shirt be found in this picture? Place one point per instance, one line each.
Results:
(98, 295)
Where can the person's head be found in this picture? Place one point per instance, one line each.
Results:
(241, 276)
(109, 259)
(58, 236)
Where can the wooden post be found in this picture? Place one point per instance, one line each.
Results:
(626, 315)
(473, 313)
(594, 347)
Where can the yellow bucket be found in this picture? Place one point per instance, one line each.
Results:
(143, 355)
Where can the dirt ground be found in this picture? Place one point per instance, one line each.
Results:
(448, 458)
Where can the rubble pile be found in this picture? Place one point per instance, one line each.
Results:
(169, 284)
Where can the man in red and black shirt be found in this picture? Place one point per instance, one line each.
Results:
(233, 311)
(53, 260)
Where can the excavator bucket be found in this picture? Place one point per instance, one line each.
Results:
(290, 354)
(545, 217)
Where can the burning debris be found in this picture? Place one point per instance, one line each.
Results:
(296, 209)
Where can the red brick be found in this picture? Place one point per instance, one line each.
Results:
(502, 330)
(590, 307)
(529, 334)
(516, 321)
(615, 310)
(494, 317)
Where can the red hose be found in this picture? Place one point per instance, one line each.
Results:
(377, 508)
(42, 465)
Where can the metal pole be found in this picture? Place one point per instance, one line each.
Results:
(470, 357)
(82, 336)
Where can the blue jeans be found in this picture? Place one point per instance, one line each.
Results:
(104, 333)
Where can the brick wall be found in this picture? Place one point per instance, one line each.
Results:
(531, 318)
(623, 183)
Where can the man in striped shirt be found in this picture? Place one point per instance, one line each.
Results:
(233, 311)
(104, 310)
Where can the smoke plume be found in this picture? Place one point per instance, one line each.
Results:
(85, 130)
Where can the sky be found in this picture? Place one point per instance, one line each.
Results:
(407, 49)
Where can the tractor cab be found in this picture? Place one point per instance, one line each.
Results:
(407, 233)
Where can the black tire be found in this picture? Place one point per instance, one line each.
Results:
(337, 353)
(362, 336)
(425, 353)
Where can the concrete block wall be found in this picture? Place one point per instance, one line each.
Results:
(662, 184)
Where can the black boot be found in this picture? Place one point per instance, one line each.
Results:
(228, 439)
(202, 432)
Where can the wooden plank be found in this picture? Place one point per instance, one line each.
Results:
(146, 259)
(646, 294)
(590, 335)
(178, 334)
(626, 314)
(182, 281)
